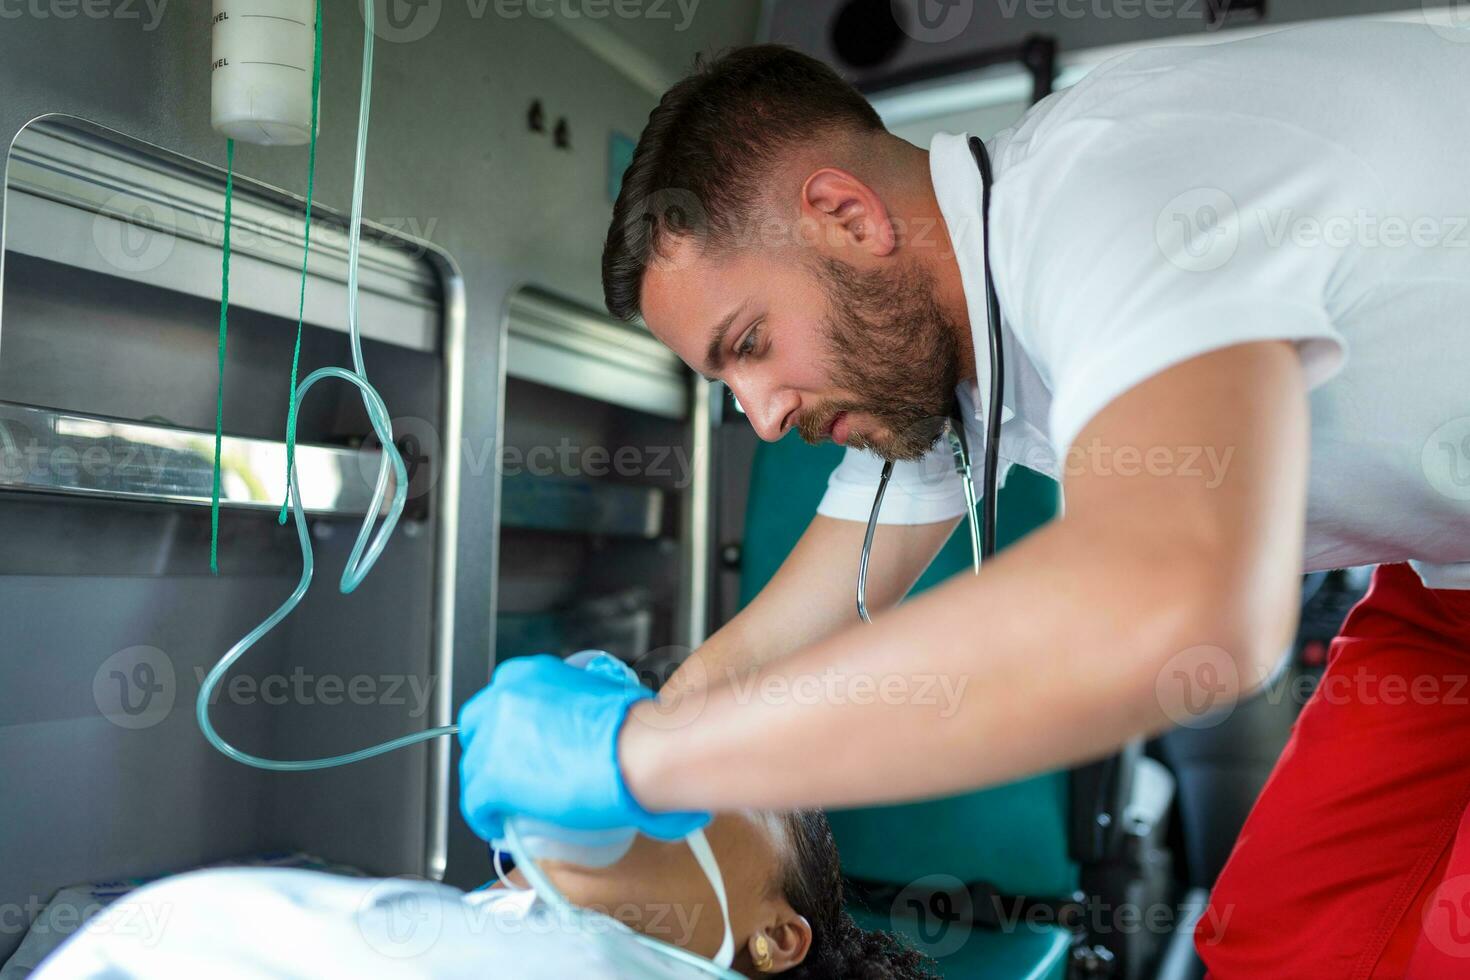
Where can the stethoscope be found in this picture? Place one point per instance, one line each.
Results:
(982, 539)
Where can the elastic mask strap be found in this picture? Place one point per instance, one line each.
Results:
(543, 888)
(500, 870)
(711, 868)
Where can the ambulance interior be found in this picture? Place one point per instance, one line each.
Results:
(571, 483)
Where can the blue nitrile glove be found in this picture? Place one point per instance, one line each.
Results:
(542, 741)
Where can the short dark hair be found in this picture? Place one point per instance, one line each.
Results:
(708, 145)
(841, 949)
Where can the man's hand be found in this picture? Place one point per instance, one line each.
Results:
(541, 741)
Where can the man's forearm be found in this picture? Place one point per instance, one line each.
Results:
(724, 655)
(1022, 669)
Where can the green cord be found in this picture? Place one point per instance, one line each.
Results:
(368, 547)
(219, 397)
(316, 89)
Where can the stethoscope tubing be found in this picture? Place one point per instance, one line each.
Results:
(982, 539)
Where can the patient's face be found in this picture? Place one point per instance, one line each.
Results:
(658, 888)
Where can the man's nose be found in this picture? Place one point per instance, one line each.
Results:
(771, 413)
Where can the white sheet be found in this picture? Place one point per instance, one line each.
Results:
(239, 923)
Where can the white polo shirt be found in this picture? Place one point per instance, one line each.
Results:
(1308, 185)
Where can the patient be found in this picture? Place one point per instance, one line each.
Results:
(781, 874)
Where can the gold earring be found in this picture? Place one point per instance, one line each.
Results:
(764, 961)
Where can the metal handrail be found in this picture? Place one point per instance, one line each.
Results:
(48, 451)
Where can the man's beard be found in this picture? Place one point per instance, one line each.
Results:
(896, 353)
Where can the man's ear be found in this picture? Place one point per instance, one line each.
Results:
(788, 939)
(848, 212)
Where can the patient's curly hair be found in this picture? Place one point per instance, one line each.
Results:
(841, 949)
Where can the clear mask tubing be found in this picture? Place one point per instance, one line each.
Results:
(368, 547)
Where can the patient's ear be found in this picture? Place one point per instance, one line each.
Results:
(788, 940)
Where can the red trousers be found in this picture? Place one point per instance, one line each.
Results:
(1355, 861)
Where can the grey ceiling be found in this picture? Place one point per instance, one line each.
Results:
(655, 41)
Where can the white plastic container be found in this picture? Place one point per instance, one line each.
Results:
(584, 848)
(260, 72)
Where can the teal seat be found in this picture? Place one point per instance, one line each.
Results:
(1013, 837)
(1027, 953)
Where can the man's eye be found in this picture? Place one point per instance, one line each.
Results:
(747, 345)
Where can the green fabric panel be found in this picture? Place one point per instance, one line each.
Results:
(1026, 952)
(789, 477)
(787, 481)
(1013, 836)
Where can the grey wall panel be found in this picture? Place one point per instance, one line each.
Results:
(362, 659)
(85, 797)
